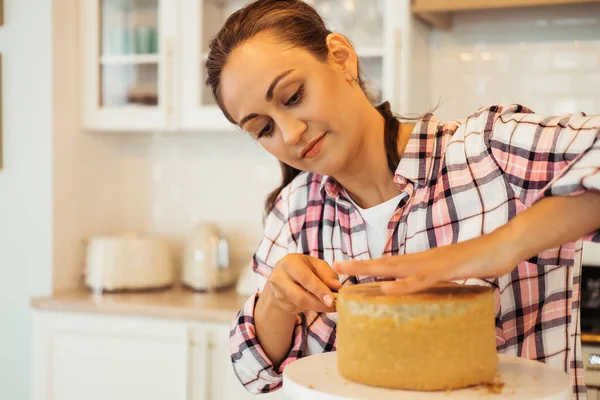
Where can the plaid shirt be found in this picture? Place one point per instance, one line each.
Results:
(459, 180)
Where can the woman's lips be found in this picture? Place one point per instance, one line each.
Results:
(313, 148)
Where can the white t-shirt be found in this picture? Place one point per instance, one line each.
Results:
(376, 221)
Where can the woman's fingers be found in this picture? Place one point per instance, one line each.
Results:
(307, 272)
(387, 267)
(292, 295)
(311, 283)
(413, 283)
(475, 258)
(324, 271)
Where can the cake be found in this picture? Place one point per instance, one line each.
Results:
(128, 262)
(442, 338)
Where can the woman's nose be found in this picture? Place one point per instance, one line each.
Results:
(292, 130)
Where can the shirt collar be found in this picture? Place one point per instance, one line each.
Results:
(425, 146)
(330, 187)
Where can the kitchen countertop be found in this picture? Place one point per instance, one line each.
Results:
(176, 303)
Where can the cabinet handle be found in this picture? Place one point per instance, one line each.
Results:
(169, 78)
(397, 81)
(208, 393)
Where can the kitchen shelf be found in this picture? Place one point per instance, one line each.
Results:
(129, 59)
(437, 13)
(133, 5)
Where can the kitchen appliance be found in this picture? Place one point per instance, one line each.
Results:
(127, 262)
(590, 318)
(590, 299)
(206, 263)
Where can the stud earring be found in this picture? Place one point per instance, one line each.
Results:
(355, 80)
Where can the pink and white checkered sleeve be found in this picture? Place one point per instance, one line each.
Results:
(252, 366)
(545, 156)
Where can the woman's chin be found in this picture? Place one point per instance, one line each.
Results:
(326, 166)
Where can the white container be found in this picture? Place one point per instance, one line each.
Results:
(206, 263)
(128, 262)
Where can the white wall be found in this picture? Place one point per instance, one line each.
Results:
(25, 183)
(88, 170)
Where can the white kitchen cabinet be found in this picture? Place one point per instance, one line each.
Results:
(118, 72)
(200, 21)
(97, 357)
(592, 394)
(127, 64)
(392, 46)
(222, 383)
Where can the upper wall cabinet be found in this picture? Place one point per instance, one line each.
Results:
(437, 13)
(143, 60)
(200, 21)
(127, 59)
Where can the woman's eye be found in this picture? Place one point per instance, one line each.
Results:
(296, 97)
(266, 131)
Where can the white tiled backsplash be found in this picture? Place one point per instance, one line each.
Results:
(171, 182)
(220, 177)
(546, 58)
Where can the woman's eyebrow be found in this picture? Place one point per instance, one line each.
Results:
(268, 96)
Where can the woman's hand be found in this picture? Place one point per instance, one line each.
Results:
(484, 257)
(547, 224)
(297, 283)
(301, 283)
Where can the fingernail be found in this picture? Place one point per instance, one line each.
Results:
(337, 282)
(328, 300)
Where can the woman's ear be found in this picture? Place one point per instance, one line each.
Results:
(342, 55)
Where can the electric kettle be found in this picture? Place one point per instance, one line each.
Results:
(206, 264)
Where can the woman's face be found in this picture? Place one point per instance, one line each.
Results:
(305, 112)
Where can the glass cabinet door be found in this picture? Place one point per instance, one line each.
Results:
(362, 23)
(200, 22)
(129, 61)
(214, 15)
(127, 76)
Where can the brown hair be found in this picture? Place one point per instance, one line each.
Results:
(297, 23)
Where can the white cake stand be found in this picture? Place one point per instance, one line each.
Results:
(317, 378)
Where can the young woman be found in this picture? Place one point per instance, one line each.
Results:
(500, 198)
